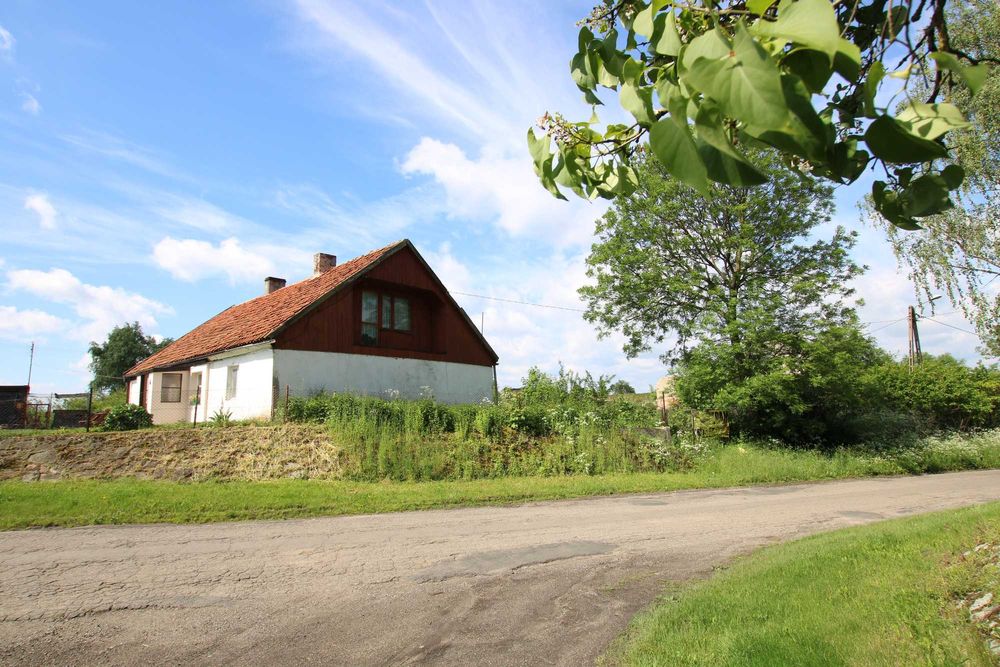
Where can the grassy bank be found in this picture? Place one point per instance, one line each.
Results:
(876, 595)
(73, 503)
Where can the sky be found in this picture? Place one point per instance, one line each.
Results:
(158, 160)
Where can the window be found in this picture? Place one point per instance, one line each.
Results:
(400, 313)
(231, 378)
(369, 318)
(170, 387)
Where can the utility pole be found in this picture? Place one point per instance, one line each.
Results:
(31, 362)
(914, 335)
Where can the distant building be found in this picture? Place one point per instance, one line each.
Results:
(381, 324)
(14, 406)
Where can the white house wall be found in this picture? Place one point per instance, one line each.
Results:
(306, 373)
(254, 385)
(168, 413)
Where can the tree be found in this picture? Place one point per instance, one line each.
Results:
(957, 254)
(813, 79)
(741, 268)
(125, 346)
(811, 388)
(621, 387)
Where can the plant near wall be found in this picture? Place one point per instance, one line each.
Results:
(819, 81)
(127, 417)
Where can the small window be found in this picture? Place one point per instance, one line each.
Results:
(170, 388)
(369, 318)
(401, 314)
(231, 378)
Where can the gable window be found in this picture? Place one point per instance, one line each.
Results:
(369, 318)
(231, 377)
(400, 313)
(170, 387)
(383, 311)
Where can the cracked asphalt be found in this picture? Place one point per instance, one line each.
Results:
(537, 584)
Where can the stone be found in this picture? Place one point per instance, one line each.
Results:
(985, 613)
(44, 456)
(981, 602)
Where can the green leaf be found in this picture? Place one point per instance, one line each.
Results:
(870, 87)
(759, 6)
(893, 142)
(888, 205)
(925, 196)
(811, 23)
(847, 61)
(539, 148)
(804, 134)
(665, 40)
(643, 21)
(974, 76)
(708, 123)
(712, 45)
(638, 102)
(724, 169)
(953, 176)
(582, 70)
(746, 83)
(812, 66)
(673, 146)
(930, 121)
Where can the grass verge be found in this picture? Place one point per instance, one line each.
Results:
(76, 503)
(875, 595)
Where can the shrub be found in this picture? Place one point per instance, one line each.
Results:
(127, 417)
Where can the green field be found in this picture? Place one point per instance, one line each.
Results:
(883, 594)
(75, 503)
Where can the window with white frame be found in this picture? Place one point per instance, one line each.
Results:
(231, 378)
(170, 387)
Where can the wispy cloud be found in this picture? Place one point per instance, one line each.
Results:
(191, 260)
(6, 42)
(40, 204)
(30, 104)
(122, 150)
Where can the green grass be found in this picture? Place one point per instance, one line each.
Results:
(74, 503)
(875, 595)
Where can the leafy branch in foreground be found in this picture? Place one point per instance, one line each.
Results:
(813, 79)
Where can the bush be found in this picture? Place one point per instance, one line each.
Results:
(127, 417)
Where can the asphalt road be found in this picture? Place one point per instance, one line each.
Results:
(537, 584)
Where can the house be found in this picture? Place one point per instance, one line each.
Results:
(382, 324)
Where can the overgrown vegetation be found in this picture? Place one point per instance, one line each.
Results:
(127, 417)
(887, 593)
(554, 425)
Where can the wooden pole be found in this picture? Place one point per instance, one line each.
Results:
(914, 336)
(286, 402)
(90, 404)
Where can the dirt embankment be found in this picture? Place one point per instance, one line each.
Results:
(237, 452)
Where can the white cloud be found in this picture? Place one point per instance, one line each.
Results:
(503, 189)
(40, 204)
(26, 324)
(30, 104)
(101, 307)
(192, 260)
(6, 41)
(452, 272)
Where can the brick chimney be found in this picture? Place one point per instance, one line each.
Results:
(323, 262)
(272, 284)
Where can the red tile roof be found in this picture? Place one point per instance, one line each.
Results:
(258, 319)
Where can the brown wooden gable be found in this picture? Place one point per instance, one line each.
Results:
(440, 331)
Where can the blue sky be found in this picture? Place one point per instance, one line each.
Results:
(159, 160)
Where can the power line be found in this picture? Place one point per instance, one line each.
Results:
(887, 325)
(523, 303)
(952, 326)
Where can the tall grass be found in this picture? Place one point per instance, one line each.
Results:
(427, 441)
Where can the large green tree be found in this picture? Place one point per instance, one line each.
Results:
(746, 267)
(819, 81)
(125, 346)
(957, 254)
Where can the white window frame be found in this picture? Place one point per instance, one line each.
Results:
(164, 387)
(232, 380)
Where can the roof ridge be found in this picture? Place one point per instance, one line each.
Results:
(257, 319)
